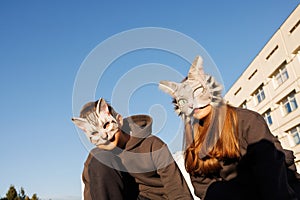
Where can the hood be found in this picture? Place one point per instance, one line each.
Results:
(139, 127)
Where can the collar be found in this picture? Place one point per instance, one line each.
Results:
(139, 127)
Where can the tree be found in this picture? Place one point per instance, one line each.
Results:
(22, 194)
(11, 193)
(34, 197)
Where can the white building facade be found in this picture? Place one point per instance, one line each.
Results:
(270, 85)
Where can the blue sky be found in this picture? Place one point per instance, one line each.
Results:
(44, 44)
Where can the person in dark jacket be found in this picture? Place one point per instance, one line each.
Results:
(230, 152)
(126, 149)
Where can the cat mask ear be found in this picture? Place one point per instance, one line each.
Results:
(196, 70)
(182, 94)
(205, 88)
(119, 119)
(168, 87)
(89, 129)
(197, 80)
(81, 123)
(102, 107)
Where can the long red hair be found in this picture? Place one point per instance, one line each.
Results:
(227, 146)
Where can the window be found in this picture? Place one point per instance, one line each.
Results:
(238, 90)
(268, 118)
(295, 133)
(296, 51)
(244, 105)
(272, 52)
(252, 74)
(260, 94)
(280, 75)
(294, 27)
(289, 104)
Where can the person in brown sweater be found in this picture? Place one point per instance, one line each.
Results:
(125, 149)
(230, 152)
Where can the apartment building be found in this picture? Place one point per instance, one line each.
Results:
(270, 85)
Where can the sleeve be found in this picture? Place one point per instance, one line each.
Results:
(253, 128)
(174, 183)
(256, 130)
(101, 181)
(266, 159)
(268, 170)
(86, 180)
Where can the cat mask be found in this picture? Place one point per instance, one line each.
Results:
(198, 90)
(100, 123)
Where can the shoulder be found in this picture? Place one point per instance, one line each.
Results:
(253, 127)
(98, 155)
(249, 116)
(154, 138)
(93, 154)
(91, 159)
(246, 113)
(154, 141)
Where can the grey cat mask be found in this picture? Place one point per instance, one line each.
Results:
(198, 90)
(99, 125)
